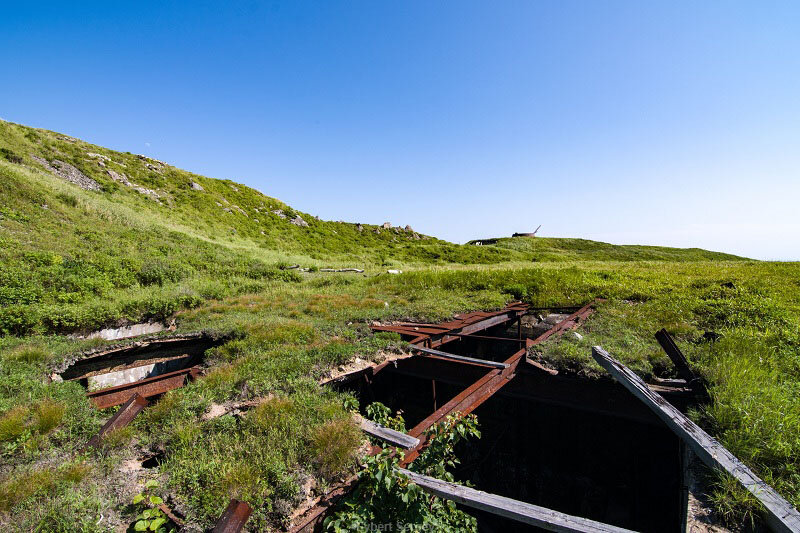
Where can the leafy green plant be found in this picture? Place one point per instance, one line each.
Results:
(380, 414)
(150, 517)
(387, 499)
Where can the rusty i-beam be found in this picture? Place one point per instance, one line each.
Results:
(234, 517)
(146, 388)
(121, 418)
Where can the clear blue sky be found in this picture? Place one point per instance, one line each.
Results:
(673, 123)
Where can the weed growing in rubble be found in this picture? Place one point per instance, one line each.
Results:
(379, 413)
(387, 499)
(150, 517)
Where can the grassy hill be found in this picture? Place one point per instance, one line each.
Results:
(548, 249)
(91, 237)
(149, 244)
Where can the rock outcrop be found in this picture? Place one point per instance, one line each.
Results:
(67, 172)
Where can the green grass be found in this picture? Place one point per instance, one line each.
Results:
(74, 260)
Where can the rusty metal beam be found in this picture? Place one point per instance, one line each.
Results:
(234, 517)
(431, 334)
(481, 337)
(464, 403)
(120, 419)
(675, 353)
(146, 388)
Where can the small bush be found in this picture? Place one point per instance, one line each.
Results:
(159, 273)
(19, 488)
(274, 413)
(10, 156)
(67, 199)
(334, 445)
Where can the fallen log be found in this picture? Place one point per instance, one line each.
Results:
(359, 270)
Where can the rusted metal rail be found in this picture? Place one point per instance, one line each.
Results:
(433, 335)
(121, 418)
(146, 388)
(234, 517)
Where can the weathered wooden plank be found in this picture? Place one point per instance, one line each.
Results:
(391, 436)
(781, 516)
(506, 507)
(454, 357)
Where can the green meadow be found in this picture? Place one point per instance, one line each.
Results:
(213, 256)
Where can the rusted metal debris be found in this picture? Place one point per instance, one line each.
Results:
(146, 388)
(234, 517)
(121, 418)
(678, 359)
(468, 325)
(433, 335)
(174, 518)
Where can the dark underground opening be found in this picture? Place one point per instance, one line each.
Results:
(120, 366)
(620, 470)
(582, 447)
(491, 349)
(154, 461)
(412, 394)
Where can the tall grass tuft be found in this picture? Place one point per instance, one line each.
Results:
(334, 445)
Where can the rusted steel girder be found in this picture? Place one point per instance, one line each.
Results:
(678, 359)
(234, 517)
(432, 334)
(121, 418)
(464, 403)
(146, 388)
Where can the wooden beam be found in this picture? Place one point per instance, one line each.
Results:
(454, 357)
(781, 516)
(675, 353)
(391, 436)
(527, 513)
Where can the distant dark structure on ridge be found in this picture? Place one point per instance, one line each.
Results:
(482, 242)
(527, 234)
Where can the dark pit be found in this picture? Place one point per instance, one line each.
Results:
(583, 447)
(128, 364)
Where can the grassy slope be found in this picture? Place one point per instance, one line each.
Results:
(546, 249)
(91, 258)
